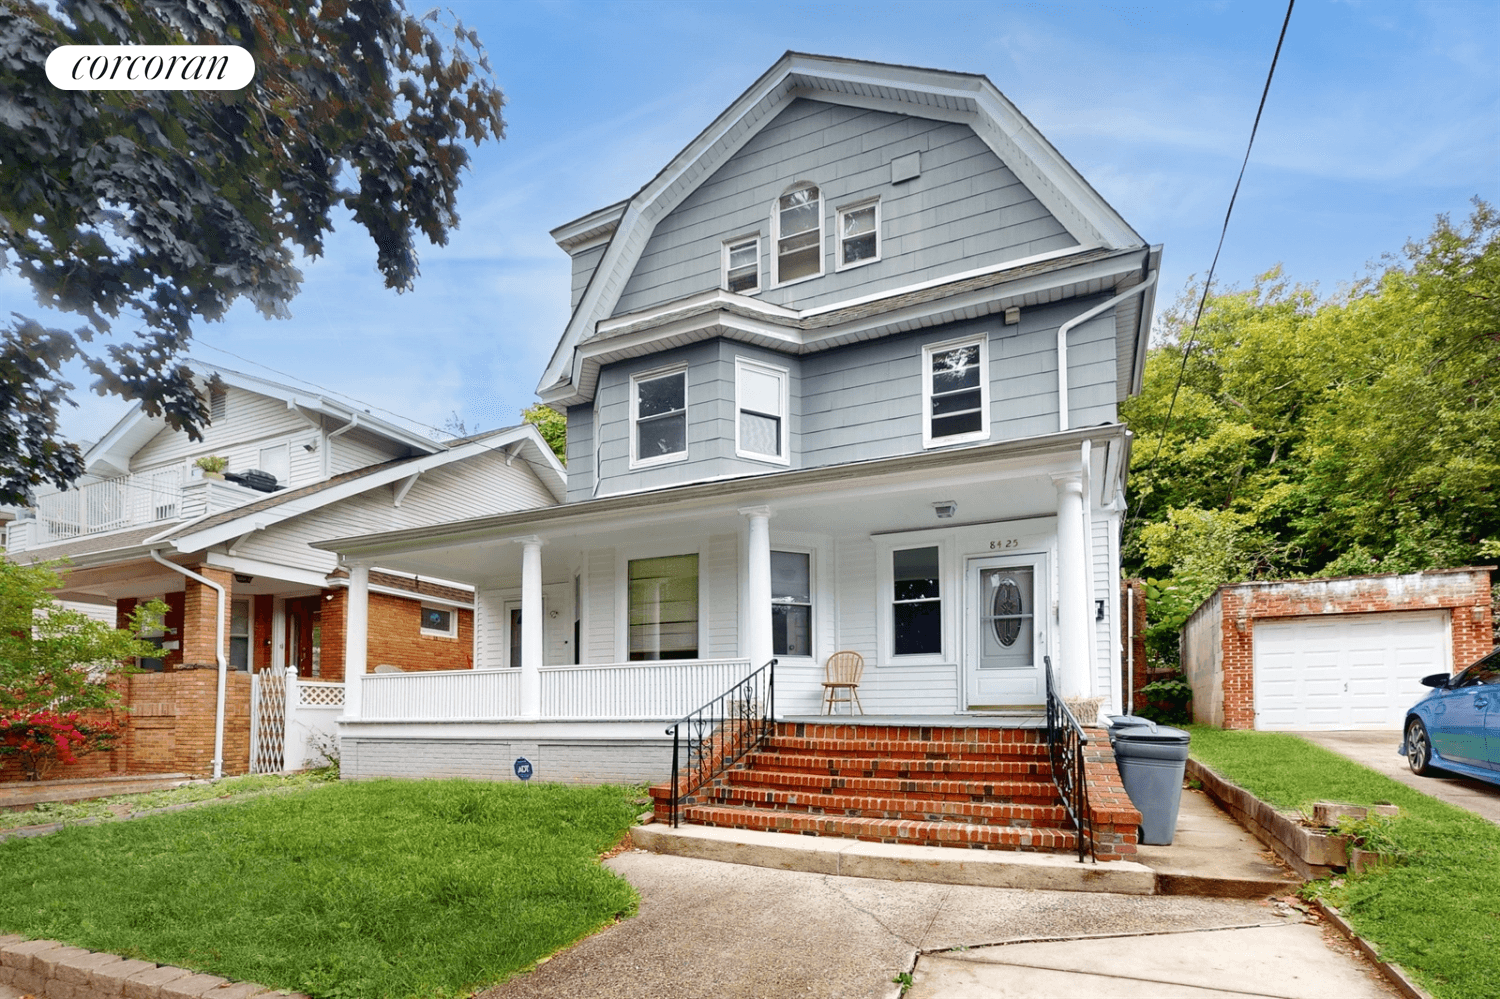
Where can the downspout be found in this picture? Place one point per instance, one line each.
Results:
(1130, 648)
(1062, 344)
(218, 654)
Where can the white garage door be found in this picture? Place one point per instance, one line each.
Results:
(1345, 671)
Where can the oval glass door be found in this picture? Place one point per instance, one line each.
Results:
(1002, 633)
(1007, 617)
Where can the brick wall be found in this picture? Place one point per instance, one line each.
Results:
(1465, 593)
(200, 616)
(263, 611)
(334, 632)
(396, 637)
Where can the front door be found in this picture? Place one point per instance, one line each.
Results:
(1004, 632)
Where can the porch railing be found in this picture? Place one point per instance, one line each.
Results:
(451, 695)
(1065, 742)
(109, 505)
(708, 741)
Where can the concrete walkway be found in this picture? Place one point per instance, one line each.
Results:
(1377, 750)
(708, 929)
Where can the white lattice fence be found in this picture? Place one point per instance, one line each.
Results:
(267, 722)
(320, 695)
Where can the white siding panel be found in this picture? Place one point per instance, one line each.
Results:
(722, 563)
(600, 641)
(857, 603)
(249, 418)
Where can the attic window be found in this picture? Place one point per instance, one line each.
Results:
(218, 405)
(859, 234)
(799, 235)
(742, 265)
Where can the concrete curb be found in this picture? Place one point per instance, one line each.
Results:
(52, 970)
(1311, 854)
(1394, 973)
(896, 862)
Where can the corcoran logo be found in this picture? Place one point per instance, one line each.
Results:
(150, 67)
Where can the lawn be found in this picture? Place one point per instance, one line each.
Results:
(1437, 911)
(371, 889)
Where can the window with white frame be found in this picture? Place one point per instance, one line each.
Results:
(916, 603)
(859, 234)
(955, 392)
(658, 417)
(761, 405)
(791, 604)
(742, 265)
(799, 234)
(439, 622)
(663, 621)
(277, 460)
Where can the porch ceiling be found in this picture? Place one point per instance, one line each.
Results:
(989, 483)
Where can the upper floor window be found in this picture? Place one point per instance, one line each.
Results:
(955, 392)
(658, 417)
(799, 234)
(742, 265)
(859, 234)
(761, 404)
(277, 460)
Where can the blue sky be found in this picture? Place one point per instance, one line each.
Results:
(1382, 115)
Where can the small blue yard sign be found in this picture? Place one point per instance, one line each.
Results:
(523, 768)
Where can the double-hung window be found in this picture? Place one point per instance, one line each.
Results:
(791, 604)
(663, 608)
(658, 417)
(761, 405)
(742, 265)
(859, 234)
(916, 603)
(239, 634)
(799, 234)
(955, 392)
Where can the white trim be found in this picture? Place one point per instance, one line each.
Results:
(784, 376)
(885, 598)
(982, 340)
(636, 461)
(452, 612)
(776, 210)
(838, 233)
(724, 256)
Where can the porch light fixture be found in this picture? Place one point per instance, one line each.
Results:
(1098, 610)
(242, 579)
(945, 508)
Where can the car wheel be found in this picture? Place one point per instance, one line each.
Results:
(1419, 749)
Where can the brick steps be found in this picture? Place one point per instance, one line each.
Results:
(913, 809)
(900, 767)
(882, 830)
(1020, 792)
(919, 749)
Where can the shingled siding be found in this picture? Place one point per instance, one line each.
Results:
(965, 210)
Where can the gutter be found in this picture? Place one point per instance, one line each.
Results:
(155, 554)
(1062, 344)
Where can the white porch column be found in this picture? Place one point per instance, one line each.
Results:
(1073, 603)
(356, 636)
(531, 626)
(757, 622)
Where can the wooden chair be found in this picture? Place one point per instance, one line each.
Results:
(842, 672)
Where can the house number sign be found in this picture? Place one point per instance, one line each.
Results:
(1007, 543)
(523, 768)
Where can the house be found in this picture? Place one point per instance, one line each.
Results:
(844, 375)
(146, 522)
(1344, 653)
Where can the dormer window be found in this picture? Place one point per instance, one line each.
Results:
(658, 417)
(742, 265)
(799, 234)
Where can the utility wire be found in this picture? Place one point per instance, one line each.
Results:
(1208, 283)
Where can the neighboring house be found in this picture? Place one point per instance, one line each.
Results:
(327, 468)
(844, 375)
(1345, 653)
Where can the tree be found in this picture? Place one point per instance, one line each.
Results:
(552, 425)
(55, 670)
(168, 206)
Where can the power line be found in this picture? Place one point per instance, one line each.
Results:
(1208, 283)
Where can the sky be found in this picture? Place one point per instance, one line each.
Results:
(1380, 117)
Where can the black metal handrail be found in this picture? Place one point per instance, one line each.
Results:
(1065, 742)
(718, 734)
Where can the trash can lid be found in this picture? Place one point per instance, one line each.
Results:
(1156, 733)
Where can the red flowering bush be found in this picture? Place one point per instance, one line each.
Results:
(43, 739)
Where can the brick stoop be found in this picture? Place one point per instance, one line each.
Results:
(978, 788)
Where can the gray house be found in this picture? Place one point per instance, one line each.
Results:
(844, 375)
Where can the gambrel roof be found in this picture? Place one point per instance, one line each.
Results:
(966, 98)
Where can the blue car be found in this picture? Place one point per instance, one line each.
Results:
(1456, 728)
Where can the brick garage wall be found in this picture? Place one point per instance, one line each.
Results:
(582, 761)
(1465, 593)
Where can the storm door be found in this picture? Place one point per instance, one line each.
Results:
(1004, 632)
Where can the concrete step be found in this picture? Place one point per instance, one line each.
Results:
(905, 831)
(999, 791)
(852, 766)
(896, 862)
(911, 809)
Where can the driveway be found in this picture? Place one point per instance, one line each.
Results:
(1377, 750)
(709, 929)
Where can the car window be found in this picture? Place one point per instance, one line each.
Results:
(1484, 673)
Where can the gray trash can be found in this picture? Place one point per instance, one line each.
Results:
(1152, 759)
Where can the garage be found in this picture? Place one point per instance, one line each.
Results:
(1354, 671)
(1330, 654)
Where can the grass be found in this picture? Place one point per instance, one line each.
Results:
(1437, 911)
(124, 805)
(375, 890)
